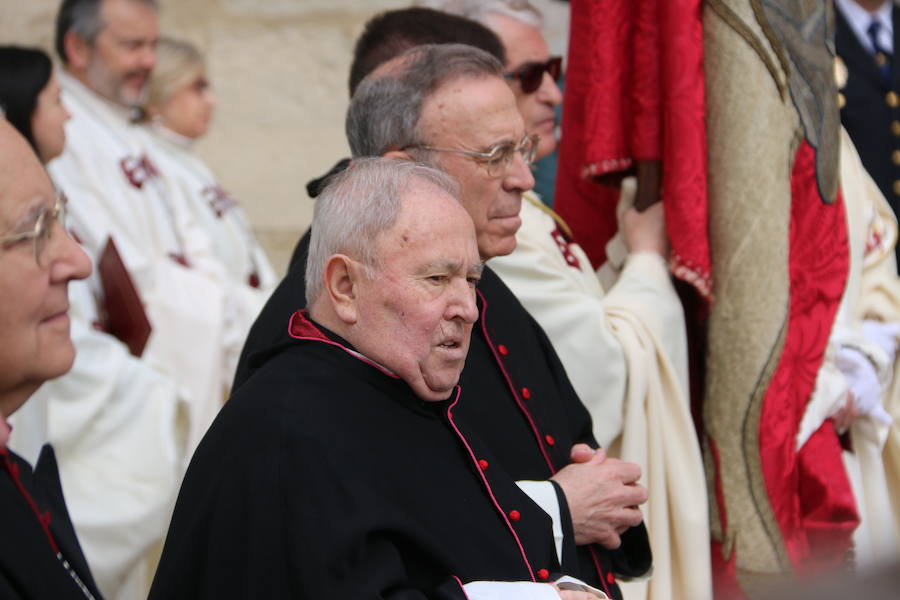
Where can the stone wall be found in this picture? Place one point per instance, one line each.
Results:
(279, 69)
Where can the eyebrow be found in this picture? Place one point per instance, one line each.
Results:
(453, 266)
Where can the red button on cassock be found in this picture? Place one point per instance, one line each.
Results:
(483, 464)
(514, 515)
(549, 439)
(543, 574)
(526, 393)
(502, 350)
(610, 578)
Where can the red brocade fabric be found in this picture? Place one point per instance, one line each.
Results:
(634, 92)
(809, 491)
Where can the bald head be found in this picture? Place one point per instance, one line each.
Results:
(20, 170)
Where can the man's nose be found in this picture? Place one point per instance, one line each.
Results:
(519, 176)
(549, 91)
(462, 305)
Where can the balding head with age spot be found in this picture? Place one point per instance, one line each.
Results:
(441, 105)
(34, 322)
(392, 268)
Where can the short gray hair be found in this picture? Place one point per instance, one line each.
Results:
(85, 19)
(480, 10)
(385, 110)
(357, 206)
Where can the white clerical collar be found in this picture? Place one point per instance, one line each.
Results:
(171, 136)
(860, 19)
(92, 99)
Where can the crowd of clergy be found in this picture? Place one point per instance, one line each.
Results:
(452, 392)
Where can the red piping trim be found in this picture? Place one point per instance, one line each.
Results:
(597, 566)
(43, 519)
(486, 484)
(461, 586)
(325, 340)
(512, 388)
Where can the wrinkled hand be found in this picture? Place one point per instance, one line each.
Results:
(602, 494)
(646, 231)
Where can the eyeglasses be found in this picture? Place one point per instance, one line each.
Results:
(43, 227)
(497, 159)
(531, 75)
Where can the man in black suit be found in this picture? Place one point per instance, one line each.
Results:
(865, 39)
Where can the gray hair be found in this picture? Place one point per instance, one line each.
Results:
(357, 206)
(83, 17)
(480, 10)
(385, 110)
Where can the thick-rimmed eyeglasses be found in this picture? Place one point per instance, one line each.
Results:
(531, 75)
(42, 230)
(497, 159)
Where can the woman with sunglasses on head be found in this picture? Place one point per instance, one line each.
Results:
(178, 111)
(40, 557)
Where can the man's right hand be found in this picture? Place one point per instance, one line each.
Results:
(602, 494)
(646, 231)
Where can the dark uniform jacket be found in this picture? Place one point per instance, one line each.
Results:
(871, 109)
(521, 406)
(325, 476)
(29, 566)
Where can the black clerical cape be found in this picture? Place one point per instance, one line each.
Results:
(324, 476)
(29, 566)
(520, 403)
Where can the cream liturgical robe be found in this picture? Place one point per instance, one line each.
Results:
(114, 414)
(250, 275)
(872, 295)
(625, 352)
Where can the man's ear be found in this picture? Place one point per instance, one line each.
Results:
(341, 277)
(401, 154)
(78, 50)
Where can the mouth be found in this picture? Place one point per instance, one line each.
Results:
(57, 317)
(453, 348)
(509, 222)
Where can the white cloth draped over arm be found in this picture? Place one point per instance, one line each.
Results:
(525, 590)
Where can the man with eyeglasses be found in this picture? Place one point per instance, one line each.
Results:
(450, 107)
(601, 328)
(120, 418)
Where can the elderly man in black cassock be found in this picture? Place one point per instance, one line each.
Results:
(449, 106)
(340, 470)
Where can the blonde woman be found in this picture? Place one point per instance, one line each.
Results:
(178, 110)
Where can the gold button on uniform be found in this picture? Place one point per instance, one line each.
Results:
(897, 187)
(892, 99)
(895, 157)
(841, 101)
(895, 128)
(880, 59)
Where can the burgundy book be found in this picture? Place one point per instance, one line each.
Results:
(124, 312)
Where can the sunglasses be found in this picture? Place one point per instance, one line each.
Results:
(531, 75)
